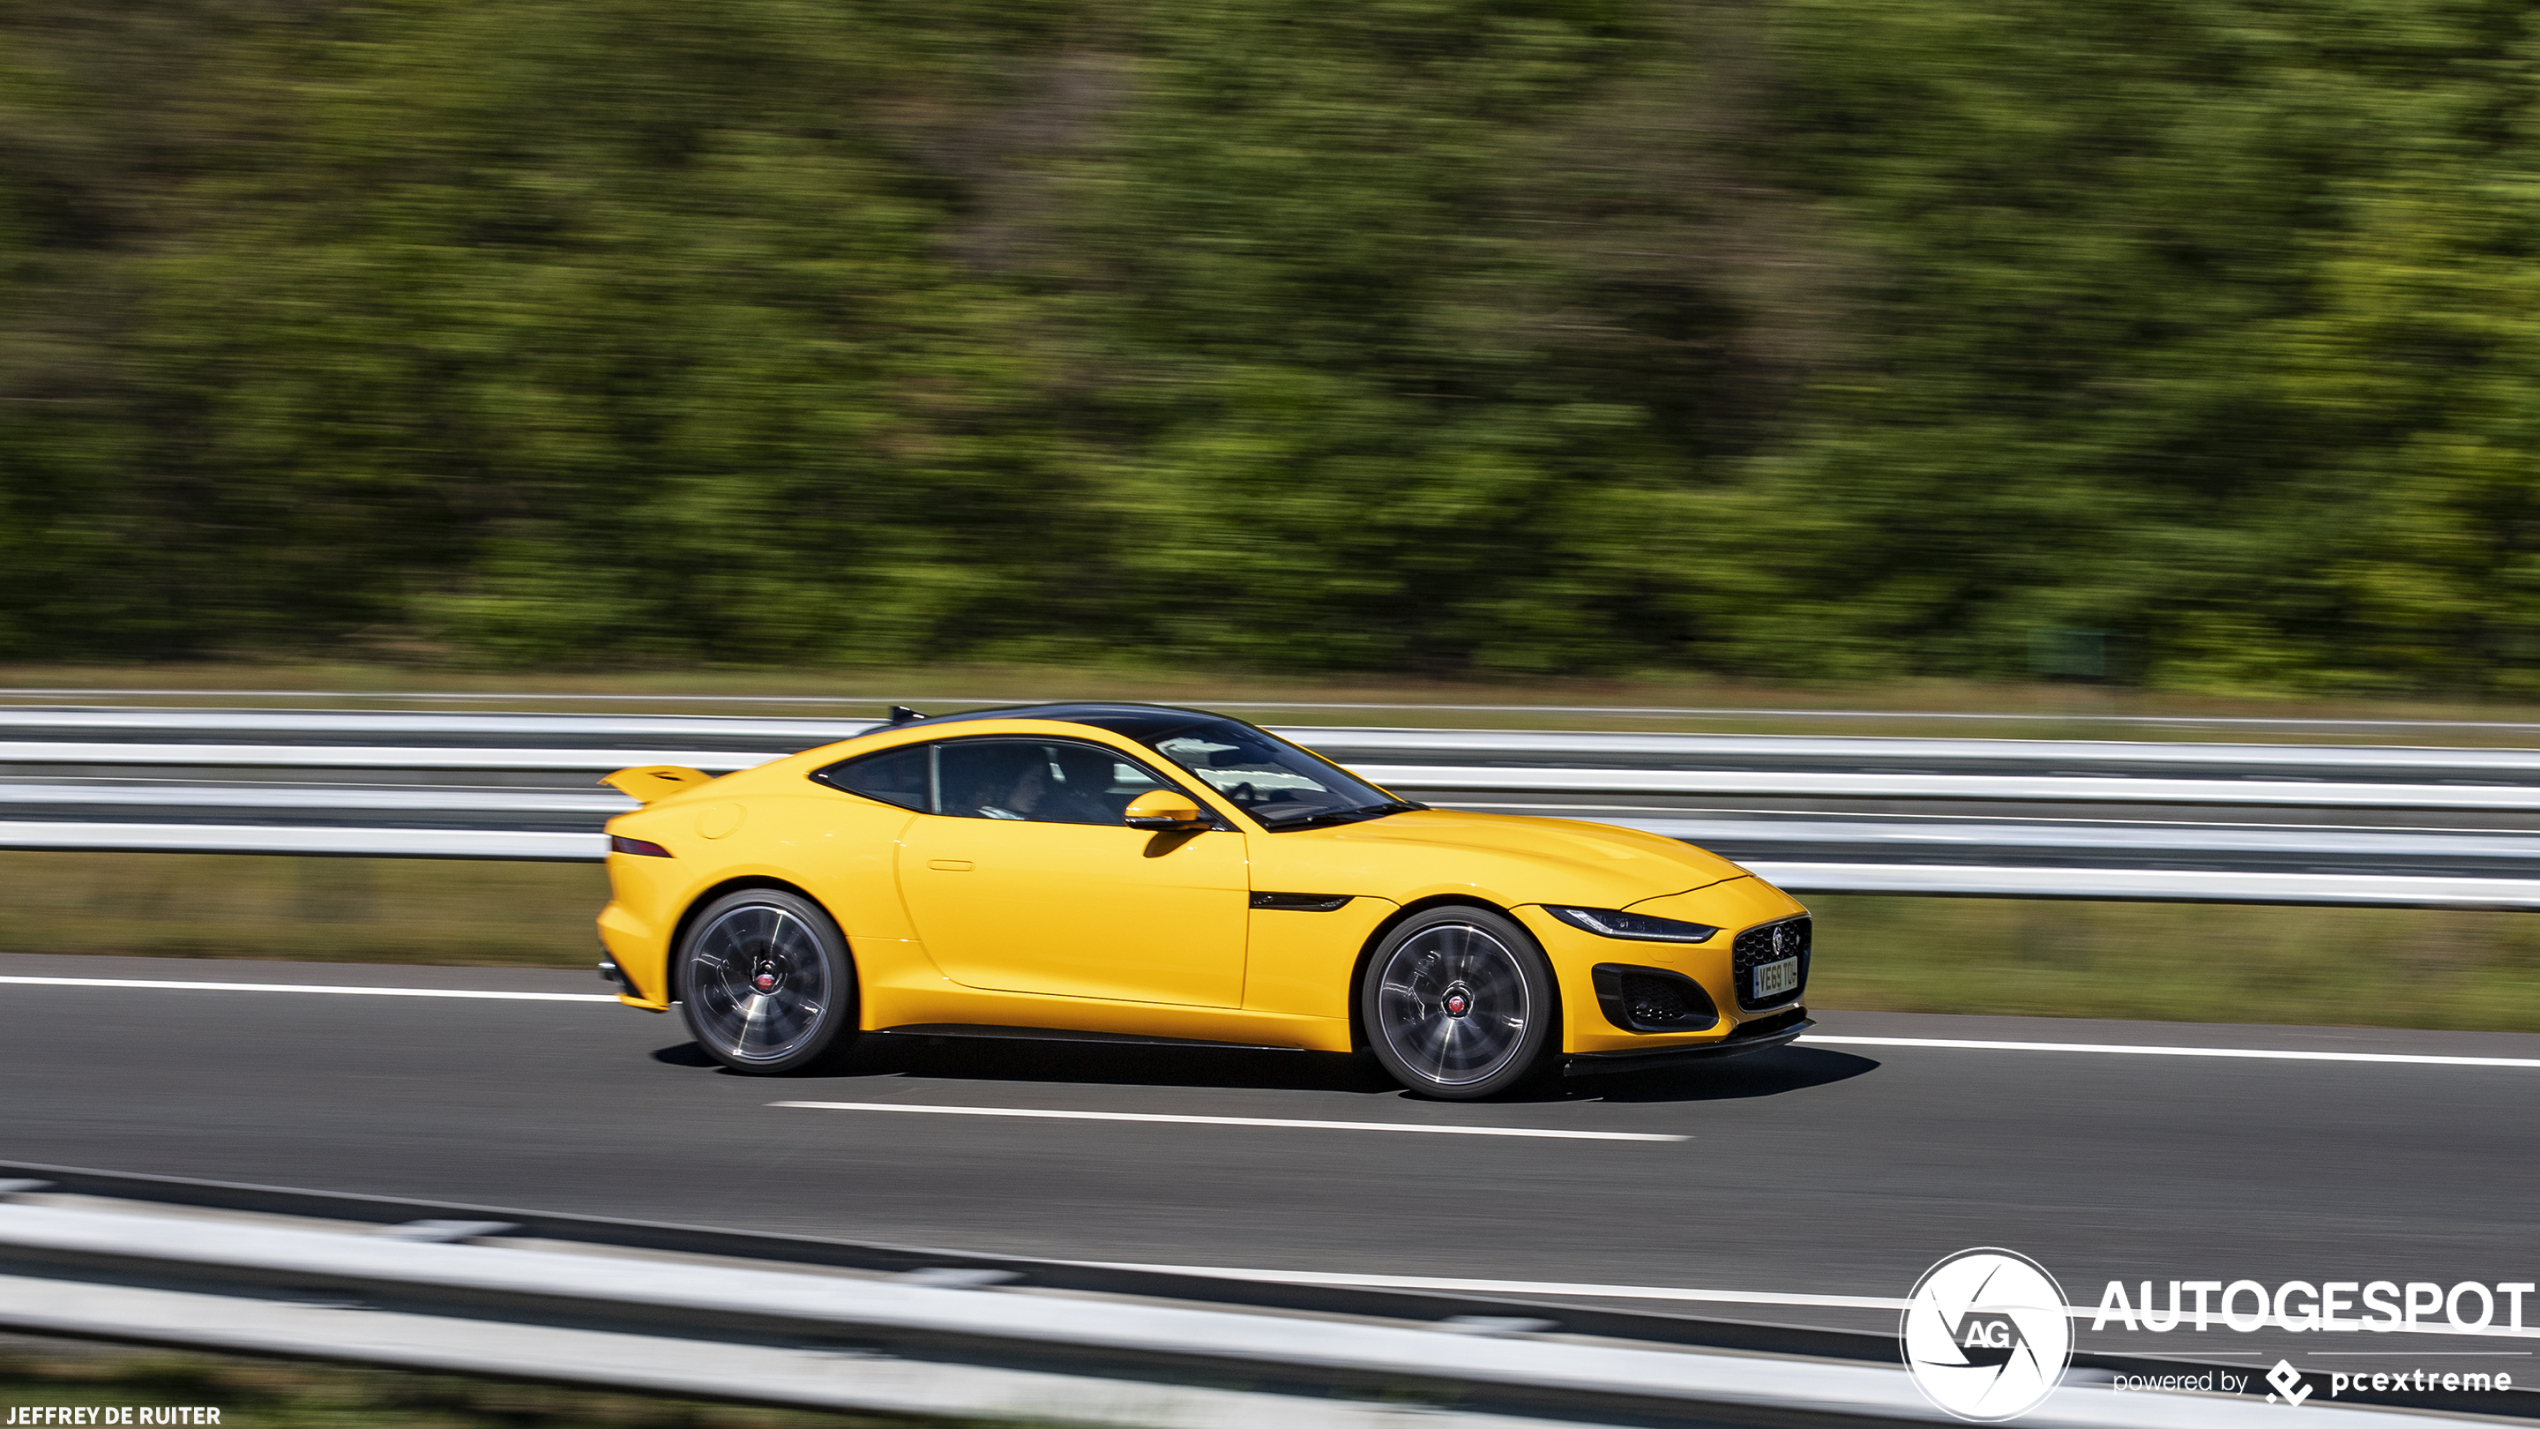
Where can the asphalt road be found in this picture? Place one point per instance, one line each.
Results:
(1814, 1170)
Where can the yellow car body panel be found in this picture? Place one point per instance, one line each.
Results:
(1304, 964)
(1072, 910)
(956, 920)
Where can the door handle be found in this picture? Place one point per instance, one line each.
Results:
(950, 865)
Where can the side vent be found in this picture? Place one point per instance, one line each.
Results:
(1303, 902)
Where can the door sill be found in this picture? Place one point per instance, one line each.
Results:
(1058, 1034)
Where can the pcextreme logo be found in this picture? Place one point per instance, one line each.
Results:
(2288, 1383)
(1986, 1335)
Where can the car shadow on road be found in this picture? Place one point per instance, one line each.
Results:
(998, 1059)
(1759, 1074)
(985, 1059)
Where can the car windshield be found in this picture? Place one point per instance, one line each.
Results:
(1278, 784)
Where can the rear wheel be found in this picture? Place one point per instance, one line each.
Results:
(765, 982)
(1458, 1003)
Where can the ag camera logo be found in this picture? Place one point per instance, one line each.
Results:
(1986, 1335)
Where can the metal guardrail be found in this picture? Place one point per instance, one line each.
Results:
(343, 723)
(2006, 788)
(1874, 751)
(698, 1305)
(2012, 818)
(840, 1325)
(500, 844)
(350, 756)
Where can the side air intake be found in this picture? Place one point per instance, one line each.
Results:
(1652, 999)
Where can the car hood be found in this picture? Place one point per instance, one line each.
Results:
(1519, 858)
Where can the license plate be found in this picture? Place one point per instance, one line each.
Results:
(1777, 977)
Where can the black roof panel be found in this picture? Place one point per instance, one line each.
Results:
(1143, 723)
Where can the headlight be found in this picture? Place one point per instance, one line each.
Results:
(1610, 923)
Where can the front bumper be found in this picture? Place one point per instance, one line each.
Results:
(1761, 1035)
(1732, 905)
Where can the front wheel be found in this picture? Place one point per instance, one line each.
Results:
(1458, 1003)
(765, 982)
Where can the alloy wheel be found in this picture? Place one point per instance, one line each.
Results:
(1453, 1004)
(758, 983)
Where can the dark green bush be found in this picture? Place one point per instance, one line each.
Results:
(1794, 338)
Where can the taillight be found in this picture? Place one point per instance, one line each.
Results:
(619, 843)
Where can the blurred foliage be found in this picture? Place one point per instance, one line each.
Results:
(1820, 339)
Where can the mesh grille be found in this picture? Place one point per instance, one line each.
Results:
(1652, 999)
(1769, 943)
(1661, 1002)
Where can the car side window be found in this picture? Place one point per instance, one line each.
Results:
(1041, 781)
(905, 777)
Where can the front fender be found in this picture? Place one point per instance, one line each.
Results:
(1729, 906)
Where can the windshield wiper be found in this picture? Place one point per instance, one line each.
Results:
(1360, 814)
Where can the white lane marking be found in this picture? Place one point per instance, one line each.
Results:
(2126, 1050)
(1546, 1133)
(311, 987)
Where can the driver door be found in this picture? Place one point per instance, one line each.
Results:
(1018, 888)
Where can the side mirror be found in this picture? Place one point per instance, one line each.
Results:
(1165, 809)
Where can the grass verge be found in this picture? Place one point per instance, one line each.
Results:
(2386, 967)
(346, 910)
(2179, 962)
(290, 1394)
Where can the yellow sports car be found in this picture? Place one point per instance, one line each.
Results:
(1136, 872)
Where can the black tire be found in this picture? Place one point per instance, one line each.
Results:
(1458, 1003)
(765, 982)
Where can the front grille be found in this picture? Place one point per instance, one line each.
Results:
(1769, 943)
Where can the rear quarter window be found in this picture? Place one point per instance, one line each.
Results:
(898, 776)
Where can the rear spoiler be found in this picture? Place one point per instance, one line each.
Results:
(655, 781)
